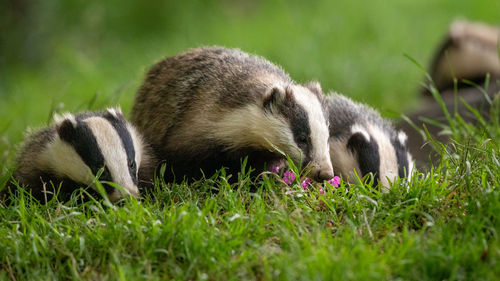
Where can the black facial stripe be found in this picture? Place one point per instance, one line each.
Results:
(121, 128)
(299, 124)
(297, 118)
(402, 158)
(106, 176)
(367, 154)
(85, 144)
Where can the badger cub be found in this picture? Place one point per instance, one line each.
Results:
(362, 141)
(210, 107)
(66, 156)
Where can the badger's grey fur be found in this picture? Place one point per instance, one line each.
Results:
(362, 141)
(210, 107)
(66, 156)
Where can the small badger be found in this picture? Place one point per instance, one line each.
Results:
(210, 107)
(361, 140)
(73, 150)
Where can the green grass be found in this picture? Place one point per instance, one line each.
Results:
(442, 225)
(74, 55)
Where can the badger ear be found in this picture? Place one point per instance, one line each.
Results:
(65, 126)
(359, 138)
(402, 138)
(315, 87)
(59, 118)
(116, 112)
(274, 96)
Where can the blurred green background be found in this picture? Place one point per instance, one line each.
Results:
(71, 55)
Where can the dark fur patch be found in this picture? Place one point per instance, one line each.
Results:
(121, 128)
(297, 118)
(402, 157)
(185, 165)
(367, 154)
(81, 138)
(62, 187)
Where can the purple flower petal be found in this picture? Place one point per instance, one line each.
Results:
(335, 182)
(275, 169)
(288, 177)
(305, 183)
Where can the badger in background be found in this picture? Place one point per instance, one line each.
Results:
(468, 51)
(362, 141)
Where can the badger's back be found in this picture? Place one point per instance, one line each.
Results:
(197, 84)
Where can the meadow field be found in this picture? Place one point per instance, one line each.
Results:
(442, 224)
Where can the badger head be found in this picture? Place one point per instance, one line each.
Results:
(369, 148)
(86, 143)
(300, 126)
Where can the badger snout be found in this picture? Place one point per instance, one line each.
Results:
(323, 169)
(118, 194)
(320, 174)
(324, 175)
(134, 191)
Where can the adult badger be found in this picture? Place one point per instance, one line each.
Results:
(66, 156)
(362, 141)
(210, 107)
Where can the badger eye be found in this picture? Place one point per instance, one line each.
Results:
(132, 165)
(302, 140)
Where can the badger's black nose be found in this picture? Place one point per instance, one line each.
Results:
(324, 175)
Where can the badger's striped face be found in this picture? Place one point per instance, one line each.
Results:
(307, 124)
(105, 141)
(370, 150)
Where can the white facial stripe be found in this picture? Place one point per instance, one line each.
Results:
(65, 116)
(411, 164)
(61, 159)
(318, 126)
(343, 161)
(115, 111)
(115, 156)
(250, 127)
(388, 162)
(402, 137)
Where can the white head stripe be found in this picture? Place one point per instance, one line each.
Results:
(115, 111)
(59, 118)
(402, 137)
(115, 156)
(319, 132)
(357, 128)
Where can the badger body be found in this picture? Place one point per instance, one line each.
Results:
(362, 141)
(210, 107)
(68, 155)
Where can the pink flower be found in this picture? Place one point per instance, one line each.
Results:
(321, 191)
(305, 183)
(335, 182)
(275, 169)
(288, 177)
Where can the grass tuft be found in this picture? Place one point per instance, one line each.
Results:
(442, 224)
